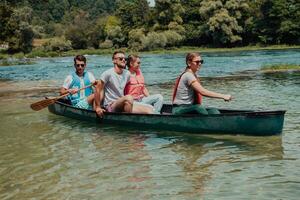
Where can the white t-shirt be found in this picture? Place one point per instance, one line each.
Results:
(185, 93)
(69, 80)
(114, 85)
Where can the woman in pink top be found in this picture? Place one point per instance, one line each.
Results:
(136, 85)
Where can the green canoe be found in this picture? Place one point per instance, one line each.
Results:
(259, 123)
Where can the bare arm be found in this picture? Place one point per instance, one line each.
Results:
(198, 88)
(146, 92)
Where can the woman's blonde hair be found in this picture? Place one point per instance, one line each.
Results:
(131, 58)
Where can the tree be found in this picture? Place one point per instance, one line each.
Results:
(77, 32)
(57, 9)
(154, 40)
(19, 31)
(168, 11)
(280, 22)
(6, 12)
(133, 14)
(172, 37)
(97, 32)
(194, 24)
(223, 19)
(136, 38)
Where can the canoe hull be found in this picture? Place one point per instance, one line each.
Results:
(228, 122)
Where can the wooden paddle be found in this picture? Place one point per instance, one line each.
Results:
(46, 102)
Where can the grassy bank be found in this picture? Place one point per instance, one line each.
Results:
(235, 49)
(37, 52)
(280, 68)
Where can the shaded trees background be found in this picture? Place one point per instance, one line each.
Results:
(81, 24)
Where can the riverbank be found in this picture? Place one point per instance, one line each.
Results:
(280, 68)
(37, 53)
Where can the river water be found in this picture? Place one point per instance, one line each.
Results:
(43, 156)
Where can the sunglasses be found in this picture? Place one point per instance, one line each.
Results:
(198, 61)
(79, 65)
(121, 58)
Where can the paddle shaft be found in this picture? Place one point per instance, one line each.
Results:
(64, 95)
(46, 102)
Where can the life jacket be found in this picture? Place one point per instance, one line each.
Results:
(135, 86)
(197, 95)
(74, 98)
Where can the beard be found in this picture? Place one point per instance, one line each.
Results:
(122, 66)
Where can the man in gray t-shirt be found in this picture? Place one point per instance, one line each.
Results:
(110, 90)
(114, 85)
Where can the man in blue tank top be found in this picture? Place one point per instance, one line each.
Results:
(77, 80)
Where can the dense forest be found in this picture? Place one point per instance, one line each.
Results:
(82, 24)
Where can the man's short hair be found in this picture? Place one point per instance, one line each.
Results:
(116, 52)
(80, 58)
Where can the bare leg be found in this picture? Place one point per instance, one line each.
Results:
(123, 104)
(90, 99)
(143, 109)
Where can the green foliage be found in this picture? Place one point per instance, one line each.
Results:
(5, 14)
(77, 32)
(132, 23)
(19, 31)
(173, 38)
(223, 27)
(116, 36)
(58, 44)
(97, 33)
(136, 38)
(168, 11)
(223, 20)
(194, 24)
(174, 26)
(280, 68)
(154, 40)
(134, 13)
(280, 21)
(111, 23)
(37, 53)
(77, 37)
(107, 44)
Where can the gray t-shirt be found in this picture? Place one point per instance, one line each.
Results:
(114, 85)
(185, 93)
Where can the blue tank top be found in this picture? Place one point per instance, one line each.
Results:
(76, 84)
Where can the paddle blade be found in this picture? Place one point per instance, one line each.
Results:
(42, 104)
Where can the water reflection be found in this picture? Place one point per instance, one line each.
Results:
(140, 160)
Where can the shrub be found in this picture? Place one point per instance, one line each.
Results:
(58, 44)
(173, 38)
(136, 38)
(78, 37)
(106, 44)
(154, 40)
(115, 34)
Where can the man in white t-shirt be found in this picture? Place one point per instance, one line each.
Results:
(110, 90)
(77, 80)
